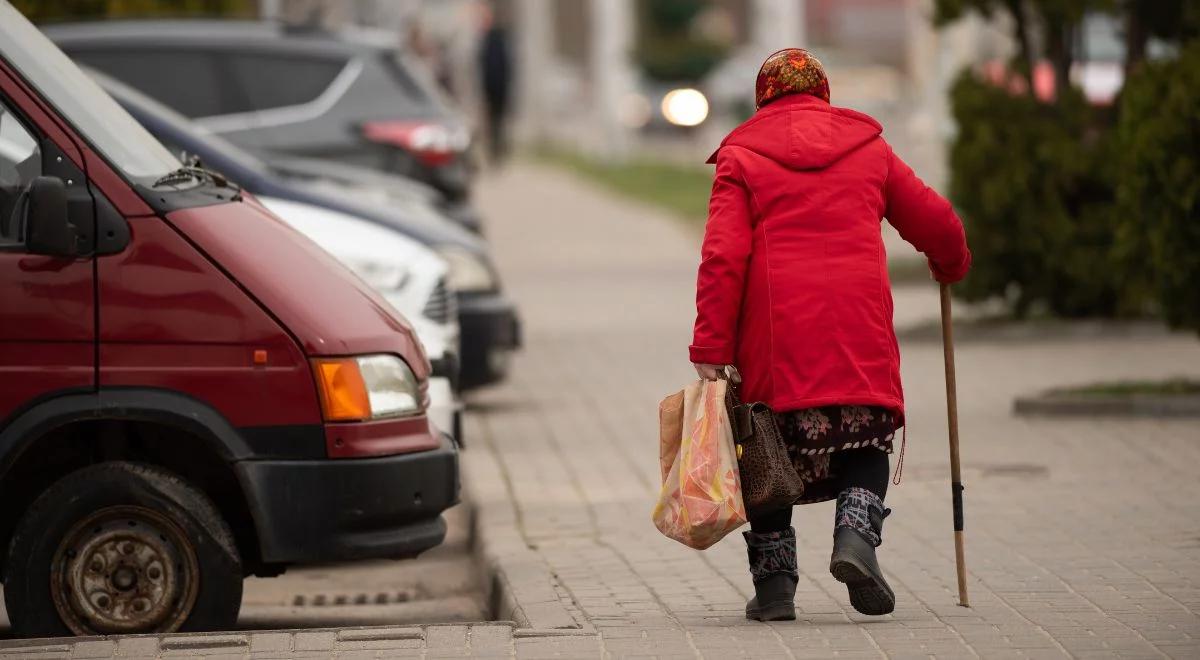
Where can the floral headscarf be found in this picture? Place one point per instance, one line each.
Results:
(790, 71)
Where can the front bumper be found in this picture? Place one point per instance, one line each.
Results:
(490, 331)
(312, 511)
(445, 409)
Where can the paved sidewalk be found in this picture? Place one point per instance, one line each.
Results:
(1083, 537)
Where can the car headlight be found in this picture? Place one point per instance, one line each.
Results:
(380, 275)
(467, 272)
(366, 387)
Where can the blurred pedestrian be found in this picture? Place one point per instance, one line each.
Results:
(793, 290)
(496, 77)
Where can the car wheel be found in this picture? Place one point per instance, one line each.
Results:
(122, 548)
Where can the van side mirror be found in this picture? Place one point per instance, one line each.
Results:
(47, 229)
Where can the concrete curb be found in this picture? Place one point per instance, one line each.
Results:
(283, 642)
(1002, 331)
(1076, 405)
(521, 587)
(490, 639)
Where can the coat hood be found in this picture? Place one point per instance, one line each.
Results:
(802, 132)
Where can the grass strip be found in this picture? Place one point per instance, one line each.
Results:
(678, 189)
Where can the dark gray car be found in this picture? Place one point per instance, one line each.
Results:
(269, 88)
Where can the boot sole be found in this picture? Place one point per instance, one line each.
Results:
(773, 612)
(867, 594)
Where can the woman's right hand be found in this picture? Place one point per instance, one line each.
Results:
(709, 371)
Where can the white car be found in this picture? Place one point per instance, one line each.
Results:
(407, 274)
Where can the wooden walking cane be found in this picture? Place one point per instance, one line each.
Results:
(956, 487)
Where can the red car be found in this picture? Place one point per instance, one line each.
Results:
(190, 391)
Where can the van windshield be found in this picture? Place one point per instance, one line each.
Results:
(97, 118)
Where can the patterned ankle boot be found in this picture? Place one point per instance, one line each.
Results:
(773, 567)
(858, 525)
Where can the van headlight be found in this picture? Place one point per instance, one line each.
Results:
(366, 387)
(467, 272)
(380, 275)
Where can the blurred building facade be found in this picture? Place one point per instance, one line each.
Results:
(576, 75)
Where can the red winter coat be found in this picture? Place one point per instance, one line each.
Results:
(793, 286)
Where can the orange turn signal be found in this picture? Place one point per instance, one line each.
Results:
(343, 392)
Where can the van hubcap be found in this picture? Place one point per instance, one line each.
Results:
(124, 569)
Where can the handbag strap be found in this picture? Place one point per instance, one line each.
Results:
(739, 413)
(733, 377)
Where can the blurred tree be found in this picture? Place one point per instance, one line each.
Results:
(668, 46)
(1159, 188)
(57, 10)
(1053, 24)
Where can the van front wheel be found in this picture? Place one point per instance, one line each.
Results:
(122, 547)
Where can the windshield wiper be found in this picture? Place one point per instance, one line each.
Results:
(190, 172)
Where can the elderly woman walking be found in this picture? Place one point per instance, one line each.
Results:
(793, 290)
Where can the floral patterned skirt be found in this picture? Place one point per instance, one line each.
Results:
(813, 434)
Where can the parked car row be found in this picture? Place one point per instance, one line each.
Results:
(220, 359)
(345, 97)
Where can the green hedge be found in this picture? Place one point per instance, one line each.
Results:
(1033, 182)
(1159, 184)
(1068, 214)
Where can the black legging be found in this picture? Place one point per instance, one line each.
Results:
(865, 468)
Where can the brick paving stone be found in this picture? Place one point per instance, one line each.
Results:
(439, 637)
(137, 646)
(490, 639)
(379, 634)
(557, 647)
(270, 642)
(322, 640)
(99, 648)
(291, 654)
(379, 644)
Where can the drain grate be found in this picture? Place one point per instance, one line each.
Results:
(358, 598)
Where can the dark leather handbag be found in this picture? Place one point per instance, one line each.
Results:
(769, 482)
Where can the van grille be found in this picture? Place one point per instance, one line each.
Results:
(441, 305)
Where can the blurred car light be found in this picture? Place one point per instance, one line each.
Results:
(467, 271)
(432, 144)
(380, 275)
(685, 107)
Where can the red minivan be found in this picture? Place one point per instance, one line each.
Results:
(190, 391)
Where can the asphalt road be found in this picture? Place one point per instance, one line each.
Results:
(441, 586)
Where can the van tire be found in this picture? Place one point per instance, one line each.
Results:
(134, 522)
